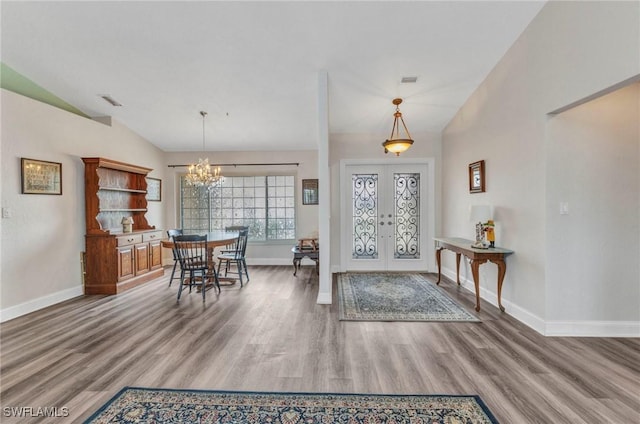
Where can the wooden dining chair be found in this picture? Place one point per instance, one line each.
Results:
(236, 256)
(192, 254)
(171, 234)
(231, 248)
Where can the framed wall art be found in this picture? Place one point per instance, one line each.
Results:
(154, 189)
(309, 192)
(41, 177)
(476, 177)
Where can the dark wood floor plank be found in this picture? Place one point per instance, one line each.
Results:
(270, 335)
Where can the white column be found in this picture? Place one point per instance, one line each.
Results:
(324, 207)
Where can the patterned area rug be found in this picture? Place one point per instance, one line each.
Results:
(139, 405)
(396, 297)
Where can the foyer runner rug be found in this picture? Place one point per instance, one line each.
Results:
(140, 405)
(396, 297)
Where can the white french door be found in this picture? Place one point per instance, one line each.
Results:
(385, 209)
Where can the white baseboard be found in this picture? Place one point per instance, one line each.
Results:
(553, 328)
(278, 261)
(269, 261)
(524, 316)
(467, 284)
(593, 329)
(39, 303)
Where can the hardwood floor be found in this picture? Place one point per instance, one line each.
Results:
(271, 335)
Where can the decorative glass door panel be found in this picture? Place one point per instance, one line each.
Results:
(407, 215)
(385, 229)
(365, 211)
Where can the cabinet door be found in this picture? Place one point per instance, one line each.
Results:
(125, 262)
(141, 252)
(155, 254)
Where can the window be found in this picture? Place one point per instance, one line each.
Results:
(265, 204)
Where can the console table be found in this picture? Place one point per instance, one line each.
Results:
(299, 253)
(476, 257)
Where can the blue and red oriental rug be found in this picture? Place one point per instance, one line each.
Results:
(141, 405)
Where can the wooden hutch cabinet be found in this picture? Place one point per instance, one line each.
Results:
(116, 261)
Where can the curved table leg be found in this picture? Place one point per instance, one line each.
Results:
(502, 270)
(438, 261)
(296, 265)
(438, 254)
(475, 271)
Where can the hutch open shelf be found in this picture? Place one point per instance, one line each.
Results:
(116, 261)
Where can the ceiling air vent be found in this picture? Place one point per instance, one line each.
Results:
(408, 80)
(111, 100)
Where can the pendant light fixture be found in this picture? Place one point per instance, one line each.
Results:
(396, 144)
(203, 174)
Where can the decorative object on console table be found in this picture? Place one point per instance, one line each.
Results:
(115, 261)
(310, 192)
(308, 244)
(476, 177)
(154, 189)
(41, 177)
(480, 214)
(489, 229)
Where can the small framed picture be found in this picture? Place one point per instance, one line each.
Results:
(154, 189)
(476, 177)
(309, 192)
(41, 177)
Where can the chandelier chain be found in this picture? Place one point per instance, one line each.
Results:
(203, 174)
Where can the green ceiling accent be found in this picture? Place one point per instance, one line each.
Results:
(13, 81)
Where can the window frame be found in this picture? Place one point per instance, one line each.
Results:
(265, 175)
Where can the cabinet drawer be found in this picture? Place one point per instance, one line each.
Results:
(152, 235)
(129, 239)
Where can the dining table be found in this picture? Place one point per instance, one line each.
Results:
(217, 238)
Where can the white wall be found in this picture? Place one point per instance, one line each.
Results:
(569, 51)
(307, 215)
(592, 254)
(41, 243)
(369, 146)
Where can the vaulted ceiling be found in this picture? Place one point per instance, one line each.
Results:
(253, 66)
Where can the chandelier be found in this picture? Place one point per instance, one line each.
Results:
(204, 174)
(397, 145)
